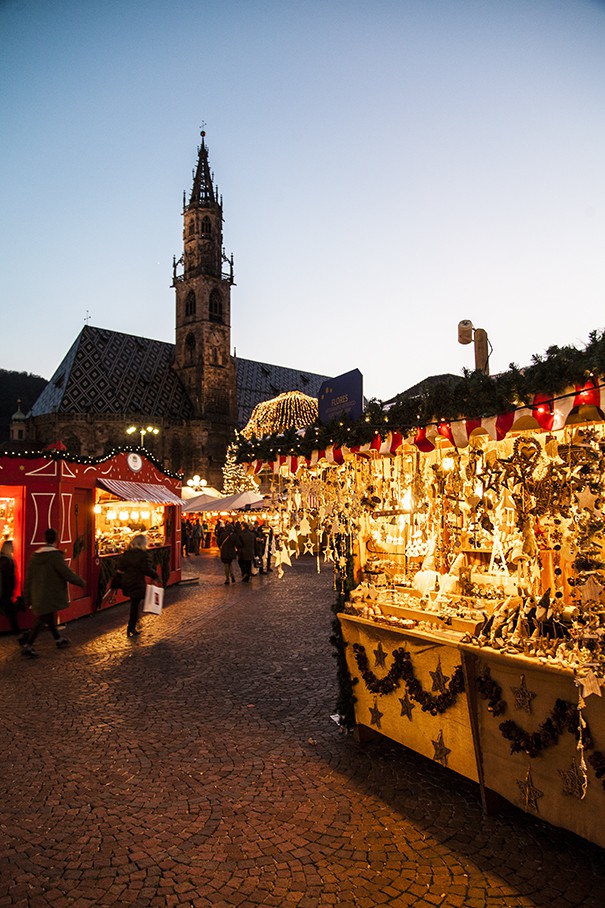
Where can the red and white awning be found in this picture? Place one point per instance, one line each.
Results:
(140, 491)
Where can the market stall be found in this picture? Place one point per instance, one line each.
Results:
(96, 505)
(469, 561)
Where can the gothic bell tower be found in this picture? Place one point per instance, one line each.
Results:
(202, 278)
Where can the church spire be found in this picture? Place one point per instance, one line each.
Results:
(203, 194)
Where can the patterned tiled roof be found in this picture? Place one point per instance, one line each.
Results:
(257, 382)
(110, 372)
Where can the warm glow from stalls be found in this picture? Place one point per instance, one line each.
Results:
(116, 522)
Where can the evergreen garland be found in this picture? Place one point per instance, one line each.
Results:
(563, 717)
(403, 670)
(472, 396)
(345, 701)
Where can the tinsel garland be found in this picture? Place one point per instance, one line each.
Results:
(471, 396)
(403, 670)
(563, 717)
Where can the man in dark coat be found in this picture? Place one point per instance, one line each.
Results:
(46, 582)
(247, 551)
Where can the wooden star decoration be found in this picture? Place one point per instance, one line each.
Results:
(376, 715)
(529, 792)
(574, 781)
(439, 679)
(406, 706)
(586, 499)
(523, 696)
(380, 657)
(308, 547)
(441, 751)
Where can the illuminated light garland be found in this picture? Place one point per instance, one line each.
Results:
(291, 410)
(55, 454)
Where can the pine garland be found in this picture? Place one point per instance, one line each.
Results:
(471, 396)
(403, 670)
(563, 717)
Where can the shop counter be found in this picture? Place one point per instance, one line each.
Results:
(531, 747)
(410, 687)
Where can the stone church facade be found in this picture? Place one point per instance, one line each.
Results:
(194, 392)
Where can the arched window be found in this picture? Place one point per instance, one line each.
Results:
(189, 349)
(190, 303)
(206, 226)
(191, 227)
(215, 312)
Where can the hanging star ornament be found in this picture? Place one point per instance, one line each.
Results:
(575, 781)
(441, 751)
(439, 679)
(523, 696)
(529, 792)
(406, 706)
(375, 714)
(380, 657)
(586, 499)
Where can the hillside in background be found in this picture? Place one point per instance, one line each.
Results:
(16, 386)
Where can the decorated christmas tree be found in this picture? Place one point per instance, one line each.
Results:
(235, 477)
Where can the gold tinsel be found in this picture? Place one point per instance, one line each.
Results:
(291, 410)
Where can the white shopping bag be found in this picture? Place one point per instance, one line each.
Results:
(154, 599)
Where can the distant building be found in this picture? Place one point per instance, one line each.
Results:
(194, 391)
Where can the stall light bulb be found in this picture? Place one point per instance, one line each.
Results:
(97, 509)
(406, 500)
(123, 515)
(134, 515)
(145, 515)
(111, 515)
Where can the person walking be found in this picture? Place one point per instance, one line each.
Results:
(196, 537)
(135, 565)
(246, 551)
(228, 552)
(46, 580)
(269, 546)
(186, 537)
(7, 585)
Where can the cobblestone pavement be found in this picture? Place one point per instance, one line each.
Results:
(199, 766)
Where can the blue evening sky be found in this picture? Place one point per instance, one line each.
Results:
(388, 168)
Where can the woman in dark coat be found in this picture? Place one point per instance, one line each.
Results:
(229, 549)
(7, 585)
(134, 566)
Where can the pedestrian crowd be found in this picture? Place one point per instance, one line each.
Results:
(252, 548)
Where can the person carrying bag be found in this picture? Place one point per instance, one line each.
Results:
(135, 566)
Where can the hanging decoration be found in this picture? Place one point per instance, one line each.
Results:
(403, 670)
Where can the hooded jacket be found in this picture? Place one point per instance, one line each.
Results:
(46, 581)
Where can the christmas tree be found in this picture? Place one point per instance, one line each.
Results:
(235, 477)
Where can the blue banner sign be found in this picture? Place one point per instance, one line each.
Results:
(341, 396)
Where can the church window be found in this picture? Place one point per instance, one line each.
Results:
(216, 307)
(206, 226)
(190, 303)
(191, 227)
(189, 349)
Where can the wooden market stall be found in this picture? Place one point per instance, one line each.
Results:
(96, 505)
(470, 559)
